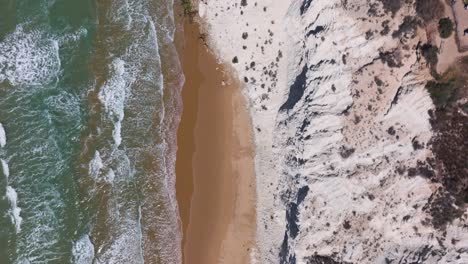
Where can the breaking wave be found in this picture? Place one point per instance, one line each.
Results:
(5, 168)
(14, 211)
(83, 251)
(2, 136)
(28, 58)
(89, 133)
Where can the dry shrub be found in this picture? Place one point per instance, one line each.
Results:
(429, 10)
(391, 6)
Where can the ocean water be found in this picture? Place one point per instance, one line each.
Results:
(89, 107)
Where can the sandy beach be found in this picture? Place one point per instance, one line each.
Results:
(215, 169)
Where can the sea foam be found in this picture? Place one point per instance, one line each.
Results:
(29, 58)
(23, 261)
(14, 211)
(113, 96)
(2, 136)
(95, 165)
(83, 251)
(5, 168)
(110, 176)
(117, 133)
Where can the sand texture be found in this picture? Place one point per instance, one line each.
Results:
(216, 183)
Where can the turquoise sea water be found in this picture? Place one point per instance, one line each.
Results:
(89, 104)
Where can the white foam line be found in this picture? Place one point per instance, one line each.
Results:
(95, 165)
(83, 250)
(5, 168)
(15, 211)
(24, 261)
(113, 96)
(56, 46)
(140, 235)
(110, 176)
(117, 132)
(2, 136)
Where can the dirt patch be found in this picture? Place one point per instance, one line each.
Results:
(461, 21)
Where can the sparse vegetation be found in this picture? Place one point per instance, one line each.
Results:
(445, 27)
(391, 58)
(429, 10)
(447, 88)
(378, 81)
(430, 53)
(391, 6)
(409, 25)
(449, 144)
(385, 28)
(372, 11)
(441, 208)
(188, 8)
(441, 93)
(346, 152)
(346, 225)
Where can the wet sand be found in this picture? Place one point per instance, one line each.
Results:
(215, 171)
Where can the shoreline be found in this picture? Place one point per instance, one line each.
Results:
(215, 161)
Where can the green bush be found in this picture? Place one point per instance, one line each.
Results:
(430, 53)
(187, 6)
(442, 93)
(450, 86)
(445, 27)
